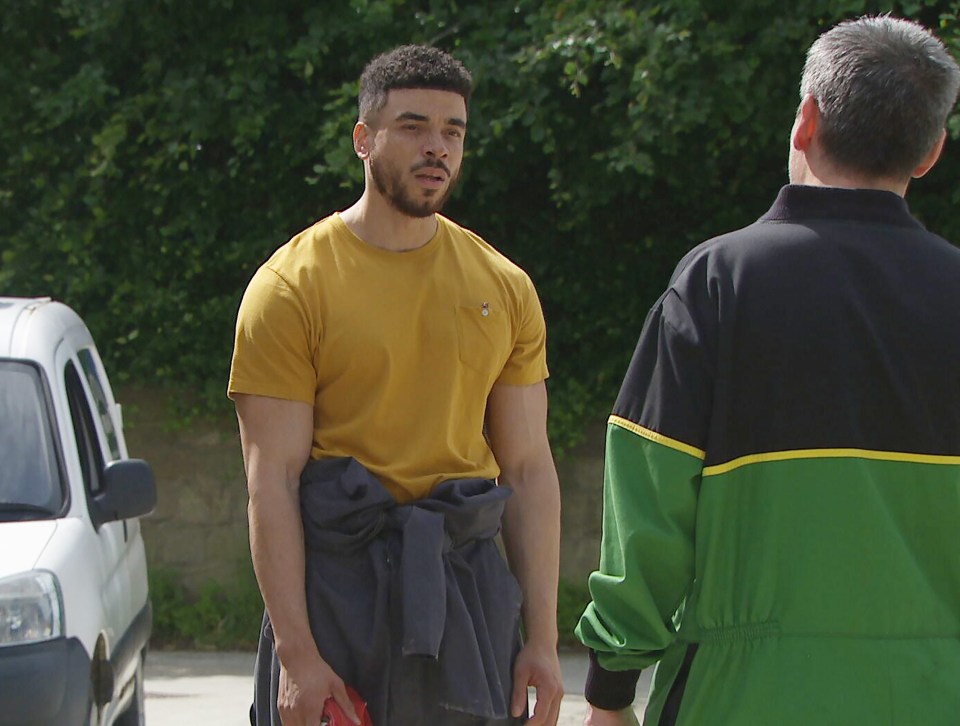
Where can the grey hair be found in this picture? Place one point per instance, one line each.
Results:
(884, 87)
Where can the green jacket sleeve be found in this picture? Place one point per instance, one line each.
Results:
(652, 468)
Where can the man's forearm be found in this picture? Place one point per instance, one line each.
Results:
(531, 535)
(276, 546)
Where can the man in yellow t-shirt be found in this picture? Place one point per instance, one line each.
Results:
(389, 334)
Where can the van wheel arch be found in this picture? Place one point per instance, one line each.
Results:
(101, 675)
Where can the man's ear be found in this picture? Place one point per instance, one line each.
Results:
(931, 158)
(362, 140)
(806, 124)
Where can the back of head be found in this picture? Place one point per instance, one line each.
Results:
(884, 87)
(411, 66)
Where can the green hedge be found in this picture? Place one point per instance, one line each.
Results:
(213, 616)
(155, 153)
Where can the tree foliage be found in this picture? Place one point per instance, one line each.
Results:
(156, 153)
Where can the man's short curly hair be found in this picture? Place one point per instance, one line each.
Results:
(411, 66)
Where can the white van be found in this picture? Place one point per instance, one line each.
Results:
(75, 615)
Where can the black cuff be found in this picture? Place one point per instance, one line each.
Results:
(609, 690)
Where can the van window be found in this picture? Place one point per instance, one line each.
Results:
(91, 459)
(100, 399)
(30, 480)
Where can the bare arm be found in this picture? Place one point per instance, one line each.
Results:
(276, 436)
(517, 425)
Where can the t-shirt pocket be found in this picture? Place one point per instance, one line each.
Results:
(483, 333)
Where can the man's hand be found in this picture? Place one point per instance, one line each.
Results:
(300, 700)
(538, 667)
(600, 717)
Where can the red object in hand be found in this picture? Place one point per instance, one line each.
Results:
(333, 715)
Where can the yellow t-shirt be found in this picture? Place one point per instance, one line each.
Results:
(396, 351)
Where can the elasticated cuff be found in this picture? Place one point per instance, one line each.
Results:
(609, 690)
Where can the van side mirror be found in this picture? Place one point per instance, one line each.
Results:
(128, 491)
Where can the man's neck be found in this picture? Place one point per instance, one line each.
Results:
(824, 174)
(378, 223)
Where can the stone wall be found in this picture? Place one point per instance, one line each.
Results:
(581, 489)
(199, 528)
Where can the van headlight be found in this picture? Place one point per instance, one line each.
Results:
(31, 609)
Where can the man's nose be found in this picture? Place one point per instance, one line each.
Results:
(435, 146)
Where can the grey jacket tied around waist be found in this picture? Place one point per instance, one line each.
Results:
(412, 604)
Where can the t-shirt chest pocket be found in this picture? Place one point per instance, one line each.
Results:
(484, 337)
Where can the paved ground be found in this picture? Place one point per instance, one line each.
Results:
(214, 689)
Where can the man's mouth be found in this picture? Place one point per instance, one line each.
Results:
(431, 177)
(432, 168)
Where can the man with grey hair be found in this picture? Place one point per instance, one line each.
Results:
(782, 485)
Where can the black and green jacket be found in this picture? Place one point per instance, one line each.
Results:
(781, 528)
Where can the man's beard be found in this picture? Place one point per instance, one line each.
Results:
(389, 183)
